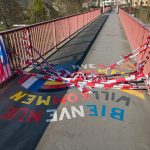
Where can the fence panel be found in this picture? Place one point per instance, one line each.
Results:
(20, 44)
(73, 24)
(42, 38)
(147, 54)
(16, 49)
(136, 33)
(80, 21)
(62, 30)
(106, 9)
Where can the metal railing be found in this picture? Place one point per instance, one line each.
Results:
(42, 36)
(137, 33)
(141, 13)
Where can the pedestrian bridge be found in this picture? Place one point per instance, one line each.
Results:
(45, 115)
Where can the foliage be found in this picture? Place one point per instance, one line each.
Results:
(37, 11)
(142, 13)
(10, 13)
(33, 11)
(52, 12)
(68, 7)
(129, 5)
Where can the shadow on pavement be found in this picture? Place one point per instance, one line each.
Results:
(23, 113)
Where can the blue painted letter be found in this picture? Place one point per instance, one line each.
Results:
(103, 113)
(93, 109)
(117, 113)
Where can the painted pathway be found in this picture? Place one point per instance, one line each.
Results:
(68, 119)
(112, 120)
(23, 113)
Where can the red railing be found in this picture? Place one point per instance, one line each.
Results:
(42, 36)
(106, 9)
(136, 33)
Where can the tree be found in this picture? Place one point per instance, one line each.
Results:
(68, 7)
(37, 11)
(10, 13)
(129, 4)
(141, 3)
(52, 13)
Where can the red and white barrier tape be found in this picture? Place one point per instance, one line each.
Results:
(86, 82)
(132, 55)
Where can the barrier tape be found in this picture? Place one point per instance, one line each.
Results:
(132, 55)
(87, 82)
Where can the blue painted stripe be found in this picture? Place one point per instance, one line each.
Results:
(36, 85)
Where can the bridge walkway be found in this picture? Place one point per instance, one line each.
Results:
(96, 130)
(105, 120)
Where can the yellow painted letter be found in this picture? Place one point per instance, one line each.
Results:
(18, 96)
(30, 99)
(45, 102)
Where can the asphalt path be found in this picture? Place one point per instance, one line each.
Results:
(55, 119)
(23, 111)
(113, 119)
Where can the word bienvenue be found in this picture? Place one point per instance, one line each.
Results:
(115, 112)
(28, 115)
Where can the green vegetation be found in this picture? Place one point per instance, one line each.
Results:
(10, 13)
(142, 13)
(139, 11)
(33, 11)
(37, 11)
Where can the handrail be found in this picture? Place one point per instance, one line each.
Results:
(42, 36)
(44, 22)
(136, 32)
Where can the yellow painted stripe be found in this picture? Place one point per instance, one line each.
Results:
(53, 83)
(135, 93)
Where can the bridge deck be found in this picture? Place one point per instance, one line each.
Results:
(106, 120)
